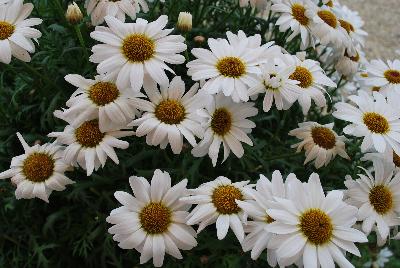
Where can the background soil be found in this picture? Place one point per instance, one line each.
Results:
(382, 22)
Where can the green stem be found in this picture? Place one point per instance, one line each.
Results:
(81, 41)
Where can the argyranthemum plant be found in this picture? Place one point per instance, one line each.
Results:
(39, 171)
(88, 146)
(377, 198)
(320, 142)
(16, 31)
(313, 228)
(131, 51)
(153, 220)
(217, 82)
(170, 114)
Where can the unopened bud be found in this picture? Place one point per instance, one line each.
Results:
(199, 39)
(74, 14)
(184, 22)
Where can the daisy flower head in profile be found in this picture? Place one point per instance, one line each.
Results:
(216, 203)
(320, 142)
(99, 98)
(98, 9)
(384, 76)
(38, 172)
(348, 65)
(312, 81)
(133, 50)
(15, 31)
(374, 119)
(352, 22)
(230, 66)
(327, 28)
(258, 237)
(88, 147)
(377, 197)
(225, 122)
(295, 15)
(170, 114)
(274, 81)
(313, 227)
(153, 220)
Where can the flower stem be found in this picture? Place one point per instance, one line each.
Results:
(81, 41)
(187, 48)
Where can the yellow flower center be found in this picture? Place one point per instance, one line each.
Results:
(355, 58)
(393, 76)
(231, 67)
(221, 121)
(347, 26)
(268, 219)
(224, 198)
(103, 93)
(155, 218)
(330, 3)
(299, 14)
(138, 48)
(38, 167)
(170, 112)
(377, 89)
(89, 134)
(323, 137)
(396, 159)
(316, 225)
(303, 75)
(328, 17)
(6, 30)
(381, 199)
(376, 123)
(365, 75)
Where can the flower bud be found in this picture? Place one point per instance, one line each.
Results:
(184, 22)
(199, 39)
(74, 14)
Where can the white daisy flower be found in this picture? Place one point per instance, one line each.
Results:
(385, 76)
(313, 227)
(320, 143)
(88, 147)
(16, 32)
(98, 9)
(38, 172)
(170, 114)
(295, 15)
(348, 65)
(225, 122)
(374, 119)
(133, 50)
(312, 81)
(383, 257)
(258, 238)
(326, 26)
(231, 65)
(389, 157)
(278, 88)
(216, 203)
(99, 98)
(153, 220)
(377, 197)
(352, 22)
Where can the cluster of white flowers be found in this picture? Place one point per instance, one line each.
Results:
(132, 95)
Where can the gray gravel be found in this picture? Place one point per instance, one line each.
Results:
(382, 22)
